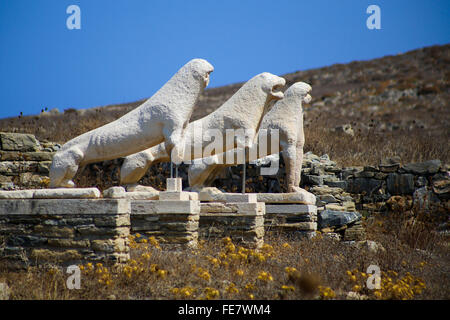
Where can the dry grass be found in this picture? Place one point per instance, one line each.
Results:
(283, 269)
(369, 148)
(366, 147)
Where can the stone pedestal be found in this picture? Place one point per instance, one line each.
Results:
(292, 220)
(63, 231)
(174, 191)
(173, 222)
(243, 222)
(174, 184)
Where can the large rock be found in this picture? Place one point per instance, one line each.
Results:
(330, 218)
(427, 167)
(441, 185)
(114, 193)
(399, 203)
(367, 185)
(400, 183)
(18, 142)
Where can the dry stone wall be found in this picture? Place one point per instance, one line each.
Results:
(24, 161)
(63, 231)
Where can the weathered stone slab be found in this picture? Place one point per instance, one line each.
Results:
(66, 193)
(64, 206)
(299, 226)
(421, 168)
(216, 207)
(168, 206)
(25, 156)
(303, 197)
(118, 220)
(236, 208)
(18, 142)
(16, 194)
(213, 194)
(241, 198)
(326, 190)
(54, 231)
(69, 193)
(142, 195)
(68, 243)
(174, 195)
(291, 209)
(92, 230)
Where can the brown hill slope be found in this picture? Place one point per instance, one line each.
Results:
(396, 105)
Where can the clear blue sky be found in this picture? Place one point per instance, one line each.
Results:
(126, 50)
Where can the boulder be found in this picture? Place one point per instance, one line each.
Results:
(399, 203)
(367, 185)
(331, 218)
(421, 168)
(18, 142)
(441, 185)
(400, 183)
(114, 192)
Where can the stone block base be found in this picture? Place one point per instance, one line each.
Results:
(63, 231)
(242, 222)
(173, 223)
(298, 220)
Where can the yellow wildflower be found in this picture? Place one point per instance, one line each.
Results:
(357, 288)
(211, 293)
(287, 288)
(286, 245)
(240, 272)
(232, 288)
(162, 273)
(265, 276)
(154, 267)
(290, 269)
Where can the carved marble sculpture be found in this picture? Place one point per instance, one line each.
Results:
(286, 116)
(243, 110)
(162, 118)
